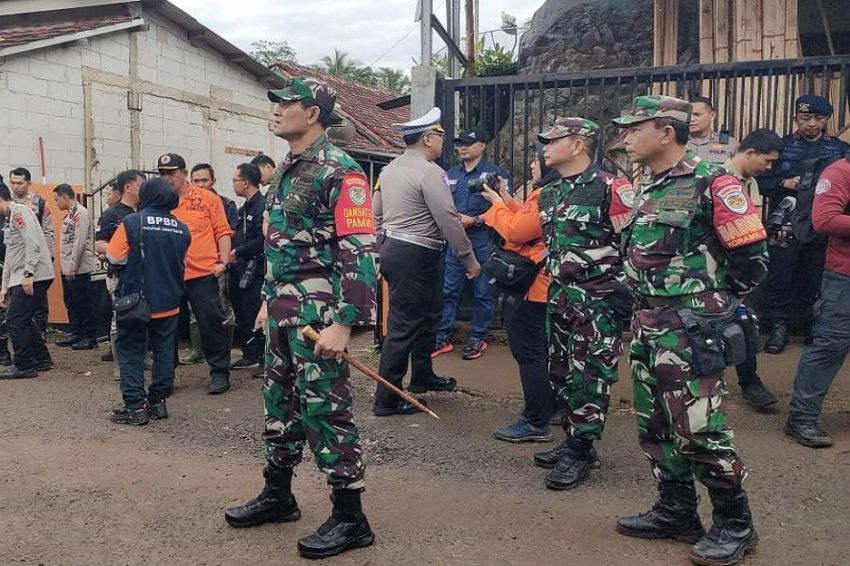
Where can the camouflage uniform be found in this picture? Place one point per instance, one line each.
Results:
(695, 241)
(320, 251)
(581, 219)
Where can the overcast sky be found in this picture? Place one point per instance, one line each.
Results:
(366, 29)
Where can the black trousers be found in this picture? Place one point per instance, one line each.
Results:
(41, 314)
(526, 326)
(246, 305)
(414, 275)
(794, 273)
(132, 346)
(27, 342)
(203, 294)
(81, 301)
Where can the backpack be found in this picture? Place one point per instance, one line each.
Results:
(801, 218)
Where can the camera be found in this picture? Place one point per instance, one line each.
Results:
(781, 217)
(477, 185)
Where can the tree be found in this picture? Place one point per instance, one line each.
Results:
(392, 80)
(340, 65)
(270, 52)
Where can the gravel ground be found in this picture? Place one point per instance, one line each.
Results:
(76, 489)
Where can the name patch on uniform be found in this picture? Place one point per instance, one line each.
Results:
(736, 221)
(353, 211)
(823, 186)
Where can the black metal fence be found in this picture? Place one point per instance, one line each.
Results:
(747, 95)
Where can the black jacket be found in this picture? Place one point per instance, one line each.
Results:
(248, 241)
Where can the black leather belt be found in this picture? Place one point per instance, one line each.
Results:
(652, 302)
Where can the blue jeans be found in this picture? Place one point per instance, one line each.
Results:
(131, 344)
(485, 299)
(822, 359)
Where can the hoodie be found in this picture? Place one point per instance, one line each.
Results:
(152, 245)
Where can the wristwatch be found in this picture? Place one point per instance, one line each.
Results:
(27, 274)
(478, 221)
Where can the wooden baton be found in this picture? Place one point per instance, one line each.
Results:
(310, 333)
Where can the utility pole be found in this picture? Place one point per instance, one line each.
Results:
(426, 8)
(470, 32)
(455, 33)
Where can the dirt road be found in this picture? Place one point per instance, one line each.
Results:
(75, 489)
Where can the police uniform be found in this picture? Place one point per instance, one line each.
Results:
(694, 243)
(45, 219)
(78, 291)
(714, 148)
(414, 213)
(795, 268)
(27, 256)
(320, 256)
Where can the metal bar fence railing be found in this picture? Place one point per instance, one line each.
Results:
(747, 95)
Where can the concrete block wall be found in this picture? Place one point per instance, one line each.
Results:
(184, 85)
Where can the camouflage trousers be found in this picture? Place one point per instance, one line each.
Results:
(309, 399)
(584, 348)
(681, 428)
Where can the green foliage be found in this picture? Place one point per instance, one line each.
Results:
(341, 65)
(269, 52)
(494, 61)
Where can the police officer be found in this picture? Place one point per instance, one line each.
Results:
(20, 181)
(27, 274)
(707, 144)
(320, 254)
(795, 268)
(471, 206)
(247, 264)
(694, 243)
(415, 212)
(582, 214)
(75, 249)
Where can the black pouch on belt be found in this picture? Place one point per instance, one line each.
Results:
(716, 340)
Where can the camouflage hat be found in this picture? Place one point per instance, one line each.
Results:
(569, 126)
(651, 107)
(306, 88)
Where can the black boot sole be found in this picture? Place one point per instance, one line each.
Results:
(687, 538)
(749, 546)
(759, 406)
(236, 524)
(422, 389)
(362, 541)
(557, 486)
(595, 465)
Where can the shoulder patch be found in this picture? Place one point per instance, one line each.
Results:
(736, 220)
(823, 186)
(353, 210)
(19, 220)
(446, 181)
(622, 202)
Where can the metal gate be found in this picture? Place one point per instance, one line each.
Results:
(747, 95)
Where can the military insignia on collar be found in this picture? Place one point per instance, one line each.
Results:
(823, 186)
(734, 199)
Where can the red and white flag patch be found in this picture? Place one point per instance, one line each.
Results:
(353, 211)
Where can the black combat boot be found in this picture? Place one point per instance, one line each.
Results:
(732, 533)
(5, 357)
(757, 395)
(346, 528)
(275, 504)
(673, 516)
(778, 338)
(549, 458)
(574, 465)
(433, 383)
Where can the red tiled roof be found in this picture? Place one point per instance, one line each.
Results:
(359, 103)
(37, 31)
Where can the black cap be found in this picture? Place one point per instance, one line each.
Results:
(472, 135)
(170, 162)
(811, 104)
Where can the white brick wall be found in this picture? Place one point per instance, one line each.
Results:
(41, 94)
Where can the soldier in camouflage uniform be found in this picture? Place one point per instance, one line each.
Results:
(320, 252)
(694, 243)
(581, 214)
